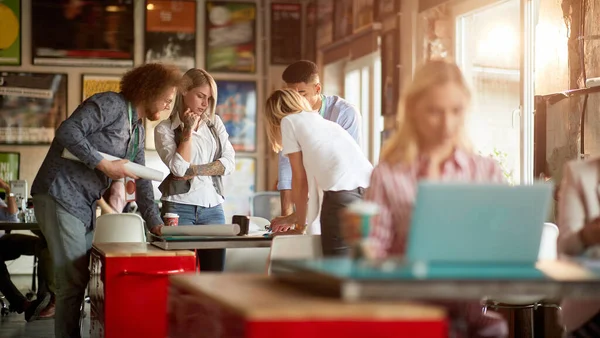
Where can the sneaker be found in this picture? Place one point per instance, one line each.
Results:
(34, 309)
(49, 311)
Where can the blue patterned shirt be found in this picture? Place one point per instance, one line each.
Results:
(99, 124)
(337, 110)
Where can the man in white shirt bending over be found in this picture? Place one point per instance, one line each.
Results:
(303, 76)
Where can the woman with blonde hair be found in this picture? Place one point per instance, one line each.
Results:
(195, 146)
(329, 170)
(429, 143)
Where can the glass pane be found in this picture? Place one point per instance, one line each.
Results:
(490, 57)
(377, 118)
(365, 111)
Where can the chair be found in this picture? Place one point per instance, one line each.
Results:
(547, 251)
(120, 228)
(266, 204)
(292, 247)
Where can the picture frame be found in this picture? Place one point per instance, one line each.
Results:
(170, 32)
(390, 72)
(342, 19)
(237, 107)
(324, 34)
(363, 14)
(94, 33)
(286, 33)
(240, 186)
(32, 106)
(95, 83)
(230, 37)
(11, 37)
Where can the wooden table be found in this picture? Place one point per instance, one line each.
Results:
(128, 288)
(254, 306)
(13, 226)
(353, 282)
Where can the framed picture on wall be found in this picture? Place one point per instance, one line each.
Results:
(239, 187)
(342, 19)
(324, 22)
(390, 71)
(286, 33)
(10, 38)
(9, 166)
(93, 84)
(170, 35)
(32, 106)
(236, 105)
(230, 37)
(385, 8)
(82, 33)
(364, 13)
(310, 32)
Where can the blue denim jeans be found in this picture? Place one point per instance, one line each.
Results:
(70, 243)
(210, 259)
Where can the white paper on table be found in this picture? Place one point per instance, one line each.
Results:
(136, 169)
(201, 230)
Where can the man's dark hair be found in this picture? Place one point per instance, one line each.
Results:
(144, 84)
(301, 71)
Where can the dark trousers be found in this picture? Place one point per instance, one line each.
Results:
(333, 203)
(13, 246)
(209, 259)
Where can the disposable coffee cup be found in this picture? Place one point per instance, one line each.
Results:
(171, 219)
(358, 220)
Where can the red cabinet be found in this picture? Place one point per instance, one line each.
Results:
(128, 288)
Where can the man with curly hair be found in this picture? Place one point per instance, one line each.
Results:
(65, 192)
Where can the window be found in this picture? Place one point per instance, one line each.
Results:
(488, 50)
(362, 88)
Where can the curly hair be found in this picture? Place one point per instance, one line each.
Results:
(145, 84)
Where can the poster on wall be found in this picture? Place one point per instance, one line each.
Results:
(364, 13)
(342, 19)
(286, 33)
(239, 187)
(390, 71)
(386, 8)
(10, 32)
(94, 84)
(32, 106)
(230, 37)
(9, 166)
(171, 33)
(310, 33)
(324, 23)
(82, 33)
(236, 105)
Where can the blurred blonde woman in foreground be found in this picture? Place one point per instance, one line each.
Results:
(429, 143)
(326, 161)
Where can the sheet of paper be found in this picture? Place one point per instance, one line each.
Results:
(137, 169)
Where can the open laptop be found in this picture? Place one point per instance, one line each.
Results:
(481, 224)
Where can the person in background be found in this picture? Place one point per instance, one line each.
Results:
(579, 235)
(324, 159)
(303, 76)
(13, 246)
(113, 201)
(429, 143)
(65, 191)
(195, 146)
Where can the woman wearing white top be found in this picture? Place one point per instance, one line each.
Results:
(195, 146)
(325, 160)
